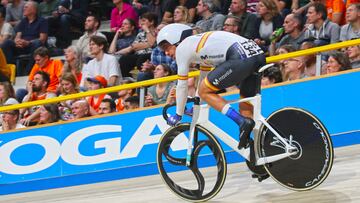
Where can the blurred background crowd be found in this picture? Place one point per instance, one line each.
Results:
(68, 46)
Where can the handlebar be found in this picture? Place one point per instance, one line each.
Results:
(196, 100)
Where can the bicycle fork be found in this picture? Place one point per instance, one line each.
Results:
(196, 113)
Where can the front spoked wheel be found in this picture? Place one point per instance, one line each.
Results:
(194, 182)
(312, 163)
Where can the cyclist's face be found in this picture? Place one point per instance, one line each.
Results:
(169, 49)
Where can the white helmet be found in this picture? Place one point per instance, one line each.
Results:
(173, 33)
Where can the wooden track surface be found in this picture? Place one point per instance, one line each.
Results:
(342, 185)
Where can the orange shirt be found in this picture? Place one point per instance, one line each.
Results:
(348, 2)
(94, 104)
(78, 77)
(54, 69)
(336, 6)
(3, 68)
(119, 105)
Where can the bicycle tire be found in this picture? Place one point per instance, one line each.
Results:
(312, 164)
(165, 160)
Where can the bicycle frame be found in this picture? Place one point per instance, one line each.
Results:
(201, 117)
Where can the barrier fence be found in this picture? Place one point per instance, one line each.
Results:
(147, 83)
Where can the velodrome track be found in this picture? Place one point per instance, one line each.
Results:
(342, 185)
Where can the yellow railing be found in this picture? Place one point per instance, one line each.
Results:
(174, 77)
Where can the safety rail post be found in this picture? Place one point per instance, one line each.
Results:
(142, 97)
(318, 64)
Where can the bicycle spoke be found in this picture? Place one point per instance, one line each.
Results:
(206, 152)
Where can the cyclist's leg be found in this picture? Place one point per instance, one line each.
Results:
(227, 74)
(247, 89)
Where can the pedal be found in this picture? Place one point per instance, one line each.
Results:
(260, 177)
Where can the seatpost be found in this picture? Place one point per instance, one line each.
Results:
(258, 77)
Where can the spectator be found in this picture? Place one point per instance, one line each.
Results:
(68, 85)
(293, 33)
(157, 57)
(181, 15)
(171, 5)
(14, 12)
(299, 6)
(268, 21)
(80, 109)
(7, 94)
(158, 7)
(49, 113)
(4, 3)
(158, 94)
(352, 29)
(211, 20)
(140, 50)
(53, 67)
(31, 33)
(107, 106)
(70, 13)
(103, 64)
(309, 60)
(238, 8)
(37, 90)
(73, 62)
(121, 11)
(232, 24)
(294, 68)
(123, 95)
(319, 27)
(132, 103)
(284, 6)
(10, 121)
(337, 62)
(124, 36)
(95, 83)
(6, 30)
(47, 7)
(92, 24)
(354, 55)
(271, 76)
(287, 48)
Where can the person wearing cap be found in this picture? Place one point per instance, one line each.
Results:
(95, 83)
(103, 64)
(234, 59)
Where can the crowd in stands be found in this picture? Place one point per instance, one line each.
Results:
(127, 51)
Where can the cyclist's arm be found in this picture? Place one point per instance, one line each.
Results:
(183, 60)
(182, 89)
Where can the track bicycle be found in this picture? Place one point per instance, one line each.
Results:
(291, 145)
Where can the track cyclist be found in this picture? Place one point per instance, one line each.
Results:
(234, 59)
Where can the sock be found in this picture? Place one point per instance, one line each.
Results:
(233, 114)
